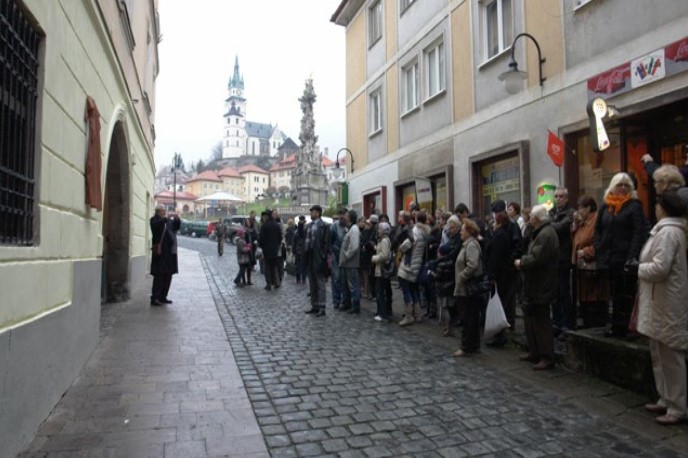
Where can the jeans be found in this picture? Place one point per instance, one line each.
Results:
(337, 282)
(318, 288)
(351, 290)
(300, 267)
(240, 276)
(384, 305)
(409, 290)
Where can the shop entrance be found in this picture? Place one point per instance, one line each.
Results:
(661, 132)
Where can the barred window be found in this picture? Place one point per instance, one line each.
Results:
(19, 44)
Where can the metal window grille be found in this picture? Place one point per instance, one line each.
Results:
(19, 43)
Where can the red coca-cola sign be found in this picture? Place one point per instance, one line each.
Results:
(677, 51)
(610, 81)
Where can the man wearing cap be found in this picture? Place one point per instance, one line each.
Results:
(317, 249)
(298, 248)
(349, 259)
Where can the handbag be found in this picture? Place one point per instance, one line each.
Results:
(389, 268)
(157, 249)
(478, 285)
(259, 253)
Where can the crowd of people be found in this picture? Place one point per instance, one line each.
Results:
(600, 264)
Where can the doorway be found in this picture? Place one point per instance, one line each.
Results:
(116, 210)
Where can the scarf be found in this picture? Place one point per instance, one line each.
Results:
(616, 203)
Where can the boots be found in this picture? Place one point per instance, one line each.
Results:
(417, 313)
(408, 316)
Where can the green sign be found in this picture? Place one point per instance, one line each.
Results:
(342, 194)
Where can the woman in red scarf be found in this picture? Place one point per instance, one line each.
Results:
(620, 232)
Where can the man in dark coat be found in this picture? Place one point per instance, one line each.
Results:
(539, 266)
(270, 241)
(164, 260)
(561, 218)
(317, 250)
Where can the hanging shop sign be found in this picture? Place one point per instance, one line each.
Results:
(597, 110)
(654, 66)
(423, 191)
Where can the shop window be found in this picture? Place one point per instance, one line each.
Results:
(595, 170)
(498, 26)
(500, 179)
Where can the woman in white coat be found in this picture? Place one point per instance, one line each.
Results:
(662, 307)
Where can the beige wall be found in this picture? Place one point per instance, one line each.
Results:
(234, 185)
(462, 62)
(392, 112)
(355, 55)
(356, 137)
(547, 28)
(391, 24)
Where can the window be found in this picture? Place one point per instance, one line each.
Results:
(376, 112)
(19, 61)
(374, 22)
(403, 4)
(499, 26)
(434, 64)
(411, 87)
(253, 148)
(263, 179)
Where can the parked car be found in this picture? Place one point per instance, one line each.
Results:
(197, 229)
(233, 223)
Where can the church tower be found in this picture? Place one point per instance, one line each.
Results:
(234, 130)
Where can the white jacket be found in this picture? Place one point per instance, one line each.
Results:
(663, 285)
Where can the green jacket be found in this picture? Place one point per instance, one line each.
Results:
(539, 266)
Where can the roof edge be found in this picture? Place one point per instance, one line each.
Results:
(346, 11)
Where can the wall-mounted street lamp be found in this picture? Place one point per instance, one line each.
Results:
(513, 78)
(177, 164)
(338, 172)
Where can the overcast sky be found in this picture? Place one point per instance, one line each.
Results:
(280, 43)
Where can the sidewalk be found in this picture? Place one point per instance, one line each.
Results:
(163, 382)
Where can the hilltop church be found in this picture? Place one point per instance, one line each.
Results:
(241, 137)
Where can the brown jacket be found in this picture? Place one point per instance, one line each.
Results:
(583, 239)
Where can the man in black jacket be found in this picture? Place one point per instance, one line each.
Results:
(164, 260)
(316, 251)
(561, 218)
(270, 241)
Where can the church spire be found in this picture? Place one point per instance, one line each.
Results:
(237, 80)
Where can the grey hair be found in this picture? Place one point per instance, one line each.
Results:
(540, 212)
(619, 178)
(160, 207)
(454, 221)
(670, 174)
(384, 227)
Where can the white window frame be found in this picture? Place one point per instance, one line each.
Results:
(375, 22)
(503, 41)
(375, 112)
(404, 5)
(437, 83)
(410, 80)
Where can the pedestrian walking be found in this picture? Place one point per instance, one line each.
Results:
(299, 248)
(251, 238)
(316, 250)
(242, 251)
(164, 260)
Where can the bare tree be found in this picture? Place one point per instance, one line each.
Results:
(216, 152)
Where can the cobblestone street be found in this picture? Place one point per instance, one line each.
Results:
(348, 386)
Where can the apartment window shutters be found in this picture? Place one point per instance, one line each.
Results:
(375, 22)
(435, 68)
(411, 87)
(499, 25)
(19, 43)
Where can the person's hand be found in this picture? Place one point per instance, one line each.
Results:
(646, 158)
(517, 264)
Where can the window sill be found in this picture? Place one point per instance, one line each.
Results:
(434, 96)
(375, 133)
(580, 4)
(494, 58)
(378, 39)
(411, 111)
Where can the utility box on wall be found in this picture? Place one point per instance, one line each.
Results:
(342, 194)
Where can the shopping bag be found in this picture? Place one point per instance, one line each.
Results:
(495, 319)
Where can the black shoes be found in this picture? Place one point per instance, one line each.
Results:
(166, 301)
(156, 302)
(353, 311)
(312, 310)
(321, 312)
(268, 288)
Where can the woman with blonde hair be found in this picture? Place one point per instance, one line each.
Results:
(620, 232)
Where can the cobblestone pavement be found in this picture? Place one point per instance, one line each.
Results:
(345, 385)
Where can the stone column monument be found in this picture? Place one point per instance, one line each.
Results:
(309, 180)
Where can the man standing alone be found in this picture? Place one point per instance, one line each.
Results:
(164, 260)
(317, 248)
(270, 241)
